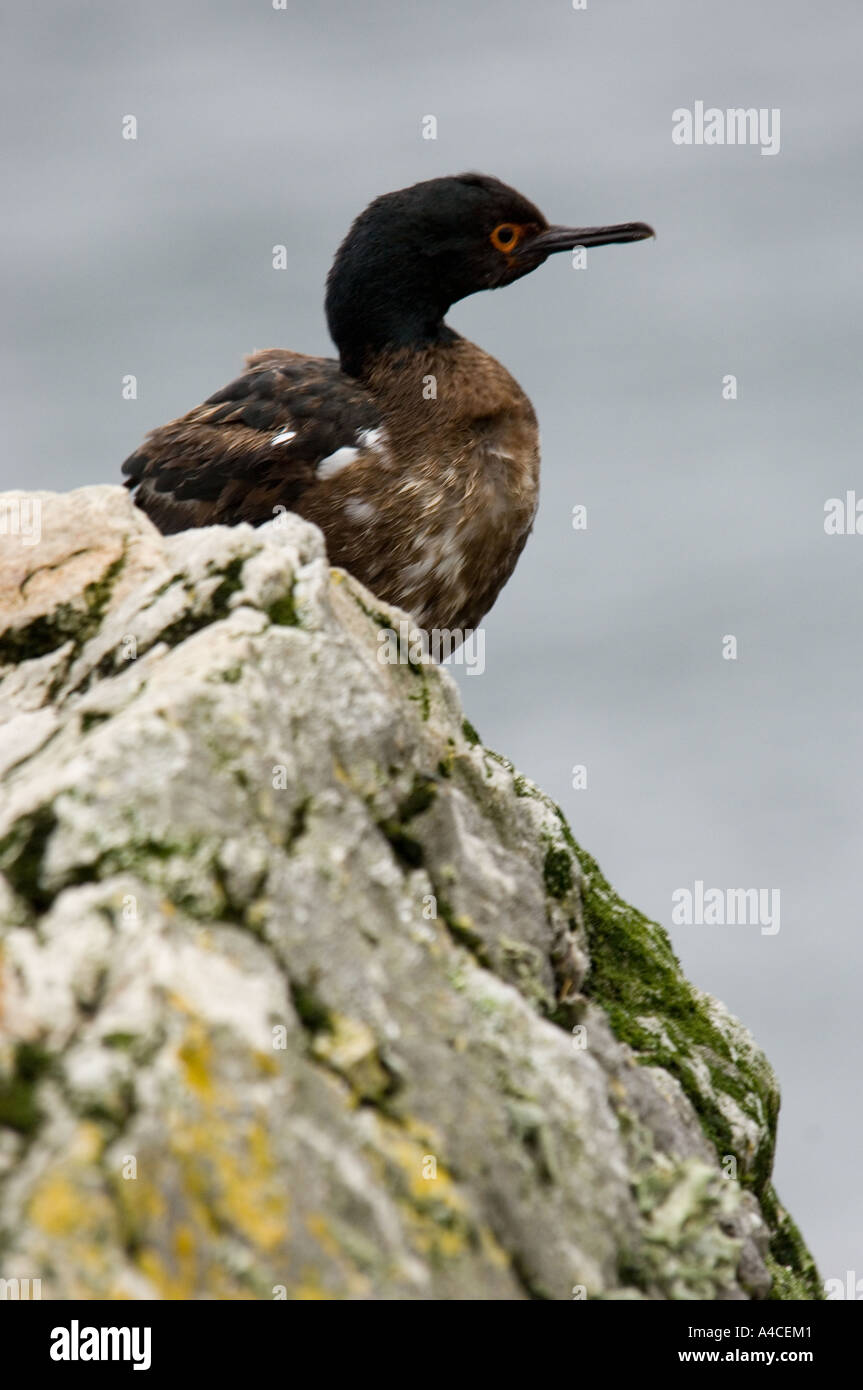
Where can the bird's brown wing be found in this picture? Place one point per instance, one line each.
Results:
(253, 447)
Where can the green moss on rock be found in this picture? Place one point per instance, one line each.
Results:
(557, 872)
(637, 980)
(68, 622)
(470, 733)
(19, 1106)
(22, 852)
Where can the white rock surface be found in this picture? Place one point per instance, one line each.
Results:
(290, 966)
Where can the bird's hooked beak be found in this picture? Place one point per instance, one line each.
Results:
(566, 238)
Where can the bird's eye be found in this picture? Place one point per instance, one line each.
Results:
(505, 237)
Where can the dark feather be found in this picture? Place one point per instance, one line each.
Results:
(187, 473)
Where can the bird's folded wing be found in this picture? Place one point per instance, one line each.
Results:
(255, 446)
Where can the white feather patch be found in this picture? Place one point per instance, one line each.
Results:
(376, 439)
(357, 510)
(334, 463)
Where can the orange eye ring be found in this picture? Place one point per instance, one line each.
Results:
(506, 236)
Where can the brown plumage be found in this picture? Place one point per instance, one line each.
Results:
(417, 454)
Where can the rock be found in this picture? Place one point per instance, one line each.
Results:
(305, 992)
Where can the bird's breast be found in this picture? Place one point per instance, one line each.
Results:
(437, 532)
(437, 522)
(472, 523)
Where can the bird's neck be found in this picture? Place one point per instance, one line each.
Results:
(380, 305)
(381, 337)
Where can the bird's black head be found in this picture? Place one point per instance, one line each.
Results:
(415, 252)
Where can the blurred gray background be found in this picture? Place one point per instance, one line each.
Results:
(258, 126)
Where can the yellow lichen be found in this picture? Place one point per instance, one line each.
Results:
(58, 1207)
(195, 1055)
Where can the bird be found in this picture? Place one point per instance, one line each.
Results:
(415, 452)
